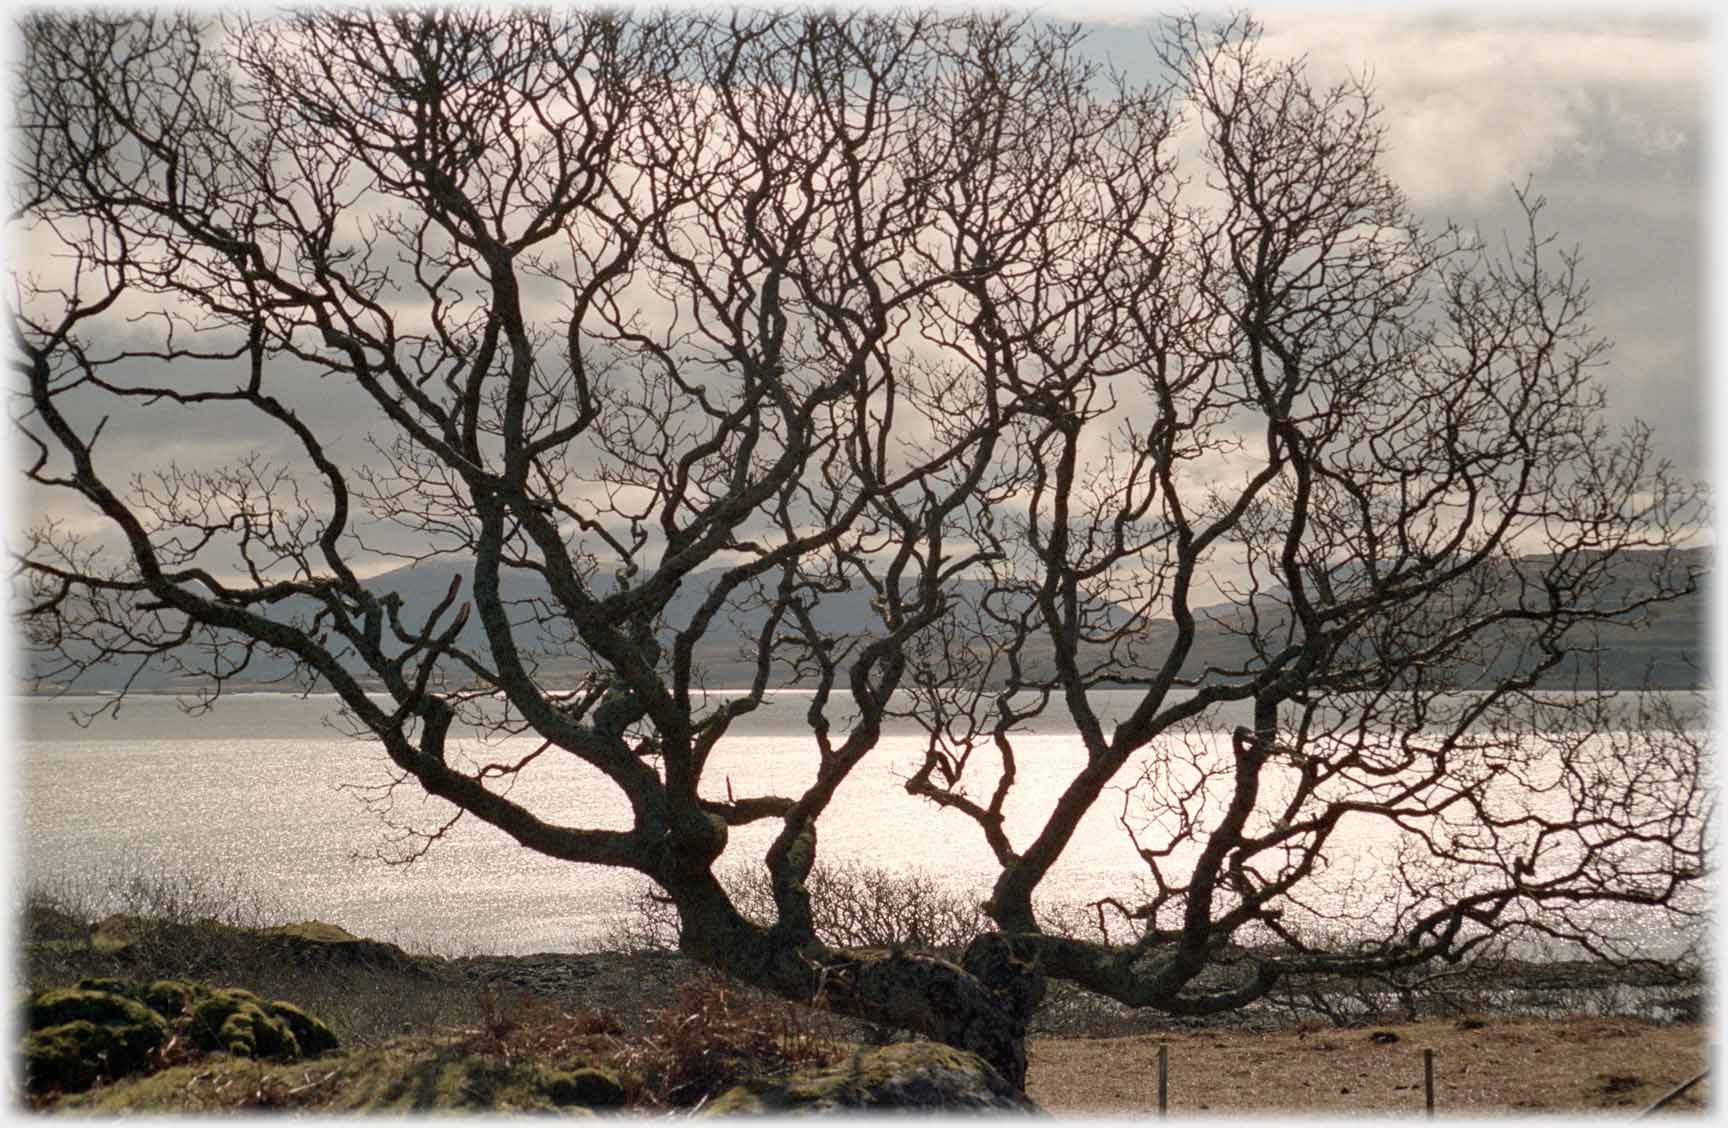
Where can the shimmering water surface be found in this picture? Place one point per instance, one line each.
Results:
(264, 787)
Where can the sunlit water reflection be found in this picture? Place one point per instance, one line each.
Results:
(259, 788)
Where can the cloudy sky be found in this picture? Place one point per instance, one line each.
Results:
(1605, 114)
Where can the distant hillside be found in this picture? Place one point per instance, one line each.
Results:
(1667, 651)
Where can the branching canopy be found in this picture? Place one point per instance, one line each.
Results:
(677, 330)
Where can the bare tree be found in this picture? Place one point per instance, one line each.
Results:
(1402, 455)
(917, 306)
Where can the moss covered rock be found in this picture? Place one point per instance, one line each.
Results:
(227, 1019)
(79, 1036)
(311, 1034)
(242, 1024)
(103, 983)
(96, 1004)
(104, 1029)
(312, 942)
(169, 998)
(914, 1076)
(73, 1056)
(588, 1086)
(317, 941)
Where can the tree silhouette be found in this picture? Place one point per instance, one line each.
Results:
(1084, 385)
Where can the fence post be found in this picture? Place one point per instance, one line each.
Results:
(1428, 1080)
(1163, 1078)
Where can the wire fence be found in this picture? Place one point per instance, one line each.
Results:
(1428, 1101)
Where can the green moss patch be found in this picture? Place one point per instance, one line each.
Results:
(79, 1036)
(311, 932)
(312, 1035)
(595, 1088)
(105, 1029)
(73, 1056)
(320, 941)
(169, 998)
(240, 1023)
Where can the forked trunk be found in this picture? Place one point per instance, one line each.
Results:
(981, 1005)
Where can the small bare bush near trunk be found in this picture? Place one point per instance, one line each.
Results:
(855, 906)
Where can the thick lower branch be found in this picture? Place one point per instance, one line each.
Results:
(1130, 976)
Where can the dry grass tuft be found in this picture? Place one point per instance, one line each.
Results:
(714, 1037)
(515, 1024)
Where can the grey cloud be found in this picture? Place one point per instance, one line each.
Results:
(1605, 116)
(1621, 164)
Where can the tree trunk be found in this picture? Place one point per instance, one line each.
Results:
(982, 1006)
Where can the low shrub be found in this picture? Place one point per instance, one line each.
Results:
(854, 905)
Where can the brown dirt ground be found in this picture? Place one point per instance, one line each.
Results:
(1503, 1066)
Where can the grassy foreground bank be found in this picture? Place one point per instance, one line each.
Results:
(496, 1033)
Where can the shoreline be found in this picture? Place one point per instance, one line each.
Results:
(1088, 1056)
(1515, 989)
(650, 978)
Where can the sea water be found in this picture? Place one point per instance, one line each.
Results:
(269, 791)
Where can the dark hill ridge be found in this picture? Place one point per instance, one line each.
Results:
(1669, 650)
(422, 585)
